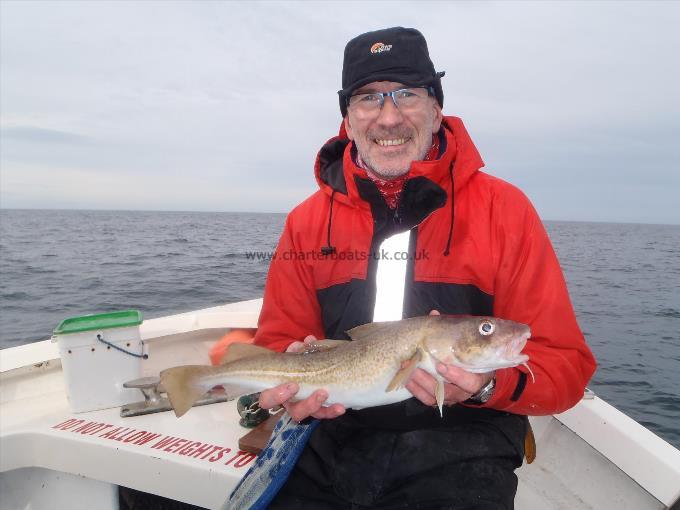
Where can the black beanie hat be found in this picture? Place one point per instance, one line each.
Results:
(393, 54)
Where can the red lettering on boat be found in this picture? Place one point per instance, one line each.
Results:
(150, 436)
(163, 442)
(219, 454)
(243, 461)
(175, 445)
(189, 449)
(201, 450)
(111, 433)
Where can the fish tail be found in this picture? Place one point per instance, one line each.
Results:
(182, 384)
(533, 378)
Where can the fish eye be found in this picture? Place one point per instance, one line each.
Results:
(486, 328)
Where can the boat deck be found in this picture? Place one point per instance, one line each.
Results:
(591, 457)
(194, 459)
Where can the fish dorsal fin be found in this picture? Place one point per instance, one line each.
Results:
(402, 376)
(321, 345)
(375, 329)
(239, 350)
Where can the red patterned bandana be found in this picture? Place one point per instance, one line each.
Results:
(391, 189)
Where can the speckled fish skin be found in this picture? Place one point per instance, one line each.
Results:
(357, 373)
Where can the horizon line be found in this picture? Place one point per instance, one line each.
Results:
(270, 212)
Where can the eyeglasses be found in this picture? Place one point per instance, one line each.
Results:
(406, 100)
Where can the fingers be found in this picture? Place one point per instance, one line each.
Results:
(298, 346)
(467, 381)
(326, 413)
(434, 312)
(423, 386)
(421, 393)
(283, 394)
(299, 410)
(313, 406)
(295, 347)
(278, 395)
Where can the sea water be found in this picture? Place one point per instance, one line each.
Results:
(624, 281)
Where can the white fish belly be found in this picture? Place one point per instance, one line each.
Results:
(349, 394)
(358, 397)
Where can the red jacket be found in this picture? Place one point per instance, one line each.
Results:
(498, 261)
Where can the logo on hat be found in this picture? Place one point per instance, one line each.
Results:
(380, 47)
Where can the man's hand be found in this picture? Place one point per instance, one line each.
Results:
(283, 395)
(459, 384)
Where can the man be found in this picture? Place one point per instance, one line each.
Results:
(400, 172)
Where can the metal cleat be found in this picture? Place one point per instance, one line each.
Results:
(155, 402)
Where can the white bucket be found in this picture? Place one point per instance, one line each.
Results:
(98, 354)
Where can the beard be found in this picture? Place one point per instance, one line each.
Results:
(389, 170)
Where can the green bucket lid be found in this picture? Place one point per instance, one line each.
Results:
(99, 321)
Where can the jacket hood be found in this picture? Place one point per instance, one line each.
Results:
(336, 172)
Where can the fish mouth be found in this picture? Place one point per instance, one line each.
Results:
(513, 351)
(518, 359)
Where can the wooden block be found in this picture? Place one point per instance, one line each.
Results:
(255, 440)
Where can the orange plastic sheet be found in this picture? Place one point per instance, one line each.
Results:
(218, 351)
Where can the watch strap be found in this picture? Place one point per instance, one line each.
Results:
(484, 394)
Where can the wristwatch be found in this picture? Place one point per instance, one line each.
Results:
(484, 394)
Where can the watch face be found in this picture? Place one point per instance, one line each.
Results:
(484, 394)
(487, 391)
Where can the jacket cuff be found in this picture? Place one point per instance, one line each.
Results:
(510, 384)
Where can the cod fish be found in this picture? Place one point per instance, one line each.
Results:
(365, 372)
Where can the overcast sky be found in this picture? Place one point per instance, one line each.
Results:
(222, 106)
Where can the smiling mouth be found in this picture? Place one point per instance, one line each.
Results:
(384, 142)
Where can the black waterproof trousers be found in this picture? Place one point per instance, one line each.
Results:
(465, 461)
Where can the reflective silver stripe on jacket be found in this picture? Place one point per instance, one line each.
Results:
(390, 278)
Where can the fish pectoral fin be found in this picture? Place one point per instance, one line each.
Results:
(239, 350)
(529, 445)
(404, 373)
(321, 345)
(439, 395)
(182, 386)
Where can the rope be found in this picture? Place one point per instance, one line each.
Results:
(143, 356)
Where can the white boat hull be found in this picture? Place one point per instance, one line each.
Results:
(592, 456)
